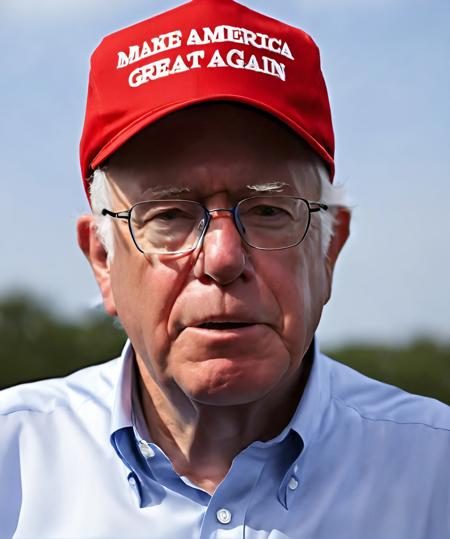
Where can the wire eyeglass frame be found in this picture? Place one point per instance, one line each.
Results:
(126, 215)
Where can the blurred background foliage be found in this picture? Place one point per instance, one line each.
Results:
(37, 342)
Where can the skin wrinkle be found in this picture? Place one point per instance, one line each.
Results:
(205, 397)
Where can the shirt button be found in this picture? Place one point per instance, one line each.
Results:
(223, 516)
(146, 450)
(293, 483)
(132, 481)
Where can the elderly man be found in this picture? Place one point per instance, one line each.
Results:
(207, 154)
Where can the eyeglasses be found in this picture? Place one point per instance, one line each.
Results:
(268, 223)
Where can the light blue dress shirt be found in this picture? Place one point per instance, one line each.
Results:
(358, 460)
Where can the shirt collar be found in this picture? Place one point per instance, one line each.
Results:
(122, 404)
(316, 396)
(305, 423)
(311, 407)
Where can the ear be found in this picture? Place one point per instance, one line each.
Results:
(341, 232)
(96, 254)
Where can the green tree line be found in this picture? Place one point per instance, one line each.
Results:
(36, 343)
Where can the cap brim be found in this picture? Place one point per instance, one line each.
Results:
(126, 134)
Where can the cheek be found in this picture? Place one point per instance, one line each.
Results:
(301, 294)
(144, 293)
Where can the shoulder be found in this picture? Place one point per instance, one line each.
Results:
(92, 384)
(52, 433)
(372, 401)
(43, 418)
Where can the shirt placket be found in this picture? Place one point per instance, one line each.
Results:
(226, 512)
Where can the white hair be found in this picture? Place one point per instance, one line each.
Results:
(100, 192)
(334, 196)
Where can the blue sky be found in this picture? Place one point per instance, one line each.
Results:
(386, 64)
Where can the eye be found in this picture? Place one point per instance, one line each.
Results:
(165, 214)
(267, 211)
(170, 214)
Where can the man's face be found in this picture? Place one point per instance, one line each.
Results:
(178, 310)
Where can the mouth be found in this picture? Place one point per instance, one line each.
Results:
(224, 325)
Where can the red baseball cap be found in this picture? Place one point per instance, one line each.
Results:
(204, 50)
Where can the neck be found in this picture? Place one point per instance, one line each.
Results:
(202, 440)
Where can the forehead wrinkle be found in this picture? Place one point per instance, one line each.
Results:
(268, 187)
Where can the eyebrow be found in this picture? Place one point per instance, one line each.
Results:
(268, 187)
(165, 191)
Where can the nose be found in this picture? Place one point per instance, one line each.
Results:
(222, 257)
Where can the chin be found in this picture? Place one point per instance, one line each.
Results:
(226, 385)
(225, 397)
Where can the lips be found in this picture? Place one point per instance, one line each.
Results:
(224, 325)
(237, 321)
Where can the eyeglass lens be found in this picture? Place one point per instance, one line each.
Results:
(173, 226)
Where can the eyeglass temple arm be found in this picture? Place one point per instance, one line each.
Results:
(117, 215)
(317, 206)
